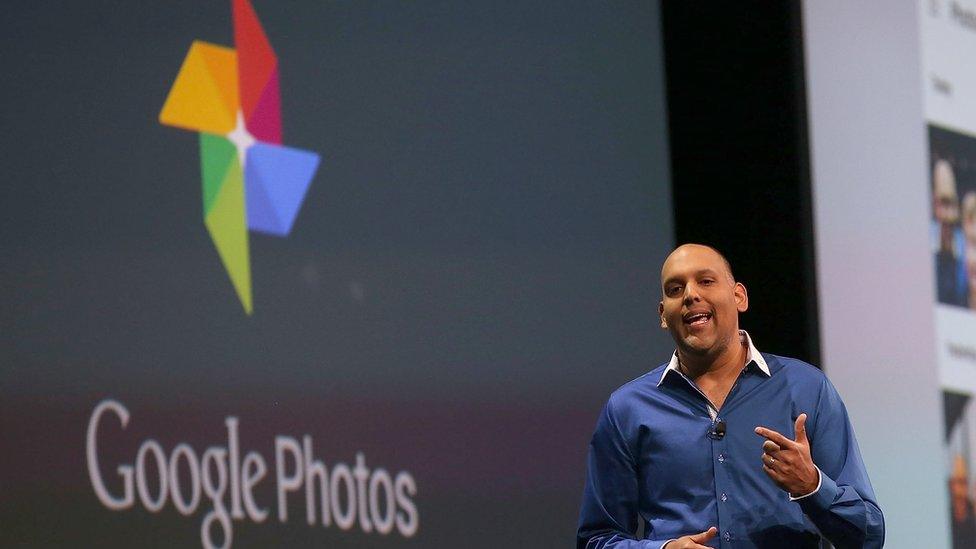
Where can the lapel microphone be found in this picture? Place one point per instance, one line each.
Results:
(717, 431)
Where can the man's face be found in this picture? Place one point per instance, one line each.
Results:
(971, 267)
(959, 487)
(944, 196)
(701, 302)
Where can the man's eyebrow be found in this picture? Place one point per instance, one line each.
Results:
(700, 272)
(670, 280)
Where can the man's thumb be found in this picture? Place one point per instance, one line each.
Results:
(801, 429)
(705, 536)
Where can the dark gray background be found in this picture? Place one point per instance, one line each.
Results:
(474, 269)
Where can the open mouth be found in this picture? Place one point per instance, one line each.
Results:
(697, 319)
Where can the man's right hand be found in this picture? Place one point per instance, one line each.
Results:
(692, 542)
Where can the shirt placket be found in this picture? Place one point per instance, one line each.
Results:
(722, 462)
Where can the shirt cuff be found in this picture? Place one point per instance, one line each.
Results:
(820, 501)
(815, 490)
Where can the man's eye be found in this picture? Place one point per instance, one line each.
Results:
(673, 290)
(707, 282)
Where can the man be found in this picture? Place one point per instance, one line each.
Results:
(961, 504)
(969, 230)
(949, 240)
(724, 446)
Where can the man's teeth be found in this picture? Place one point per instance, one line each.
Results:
(699, 318)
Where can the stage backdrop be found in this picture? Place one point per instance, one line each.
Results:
(345, 274)
(867, 64)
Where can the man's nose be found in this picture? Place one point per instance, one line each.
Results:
(691, 294)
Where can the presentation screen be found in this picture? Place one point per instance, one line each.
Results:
(948, 36)
(355, 274)
(873, 74)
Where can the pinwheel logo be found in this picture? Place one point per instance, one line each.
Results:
(250, 180)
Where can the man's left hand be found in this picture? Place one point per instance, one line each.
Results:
(788, 462)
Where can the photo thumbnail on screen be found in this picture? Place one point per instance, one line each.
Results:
(953, 188)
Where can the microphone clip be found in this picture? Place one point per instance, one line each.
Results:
(717, 430)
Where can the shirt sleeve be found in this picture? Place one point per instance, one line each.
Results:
(844, 507)
(608, 516)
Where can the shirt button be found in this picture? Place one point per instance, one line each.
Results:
(728, 536)
(721, 458)
(724, 496)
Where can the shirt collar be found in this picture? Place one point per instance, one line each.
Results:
(752, 355)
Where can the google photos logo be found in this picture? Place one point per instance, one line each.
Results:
(250, 180)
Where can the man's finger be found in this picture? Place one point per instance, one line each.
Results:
(778, 466)
(705, 536)
(772, 435)
(769, 447)
(777, 477)
(800, 427)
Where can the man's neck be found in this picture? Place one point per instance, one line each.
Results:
(715, 377)
(726, 364)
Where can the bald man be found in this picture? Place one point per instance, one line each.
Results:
(724, 446)
(949, 240)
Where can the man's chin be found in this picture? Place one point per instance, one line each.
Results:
(696, 346)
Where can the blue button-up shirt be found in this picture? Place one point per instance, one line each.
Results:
(657, 454)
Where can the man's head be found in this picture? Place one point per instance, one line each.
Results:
(969, 215)
(969, 229)
(701, 301)
(959, 487)
(944, 196)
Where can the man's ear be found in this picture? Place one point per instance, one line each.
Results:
(741, 297)
(660, 312)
